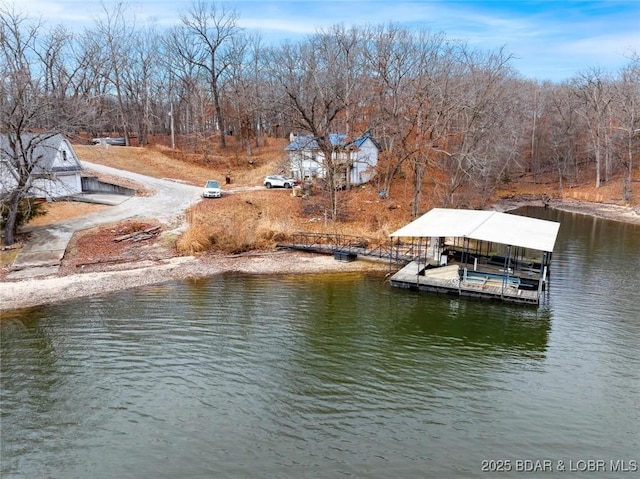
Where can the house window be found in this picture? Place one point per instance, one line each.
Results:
(64, 155)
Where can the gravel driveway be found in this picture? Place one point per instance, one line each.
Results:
(169, 202)
(42, 254)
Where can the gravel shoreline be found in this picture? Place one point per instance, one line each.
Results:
(625, 214)
(54, 289)
(48, 290)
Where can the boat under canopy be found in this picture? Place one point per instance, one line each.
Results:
(484, 254)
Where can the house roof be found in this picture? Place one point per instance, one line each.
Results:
(490, 226)
(358, 142)
(302, 142)
(308, 142)
(44, 148)
(361, 141)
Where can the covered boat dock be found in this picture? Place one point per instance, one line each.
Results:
(484, 254)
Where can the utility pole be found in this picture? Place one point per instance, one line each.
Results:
(173, 133)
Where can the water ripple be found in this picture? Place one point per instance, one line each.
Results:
(326, 376)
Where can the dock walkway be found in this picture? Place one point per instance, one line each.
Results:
(354, 246)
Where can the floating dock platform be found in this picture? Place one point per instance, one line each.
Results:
(482, 254)
(452, 279)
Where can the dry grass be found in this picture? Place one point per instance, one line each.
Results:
(194, 241)
(146, 161)
(8, 256)
(259, 219)
(609, 192)
(162, 162)
(241, 222)
(62, 210)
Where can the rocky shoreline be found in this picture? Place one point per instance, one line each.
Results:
(625, 214)
(53, 289)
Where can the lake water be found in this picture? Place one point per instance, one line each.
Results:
(329, 376)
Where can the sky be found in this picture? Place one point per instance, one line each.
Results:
(550, 40)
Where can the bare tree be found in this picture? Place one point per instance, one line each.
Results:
(593, 88)
(139, 81)
(626, 126)
(474, 140)
(437, 97)
(57, 67)
(183, 81)
(91, 83)
(26, 105)
(563, 129)
(19, 93)
(209, 29)
(438, 106)
(315, 94)
(246, 91)
(114, 33)
(393, 109)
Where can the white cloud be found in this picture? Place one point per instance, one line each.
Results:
(544, 36)
(603, 45)
(278, 25)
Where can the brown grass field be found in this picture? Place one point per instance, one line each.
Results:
(259, 218)
(248, 220)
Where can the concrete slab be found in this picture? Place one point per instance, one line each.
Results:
(35, 272)
(45, 248)
(101, 198)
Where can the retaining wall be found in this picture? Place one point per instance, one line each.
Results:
(91, 184)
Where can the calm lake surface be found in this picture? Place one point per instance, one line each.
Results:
(329, 376)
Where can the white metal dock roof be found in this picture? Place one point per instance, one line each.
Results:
(491, 226)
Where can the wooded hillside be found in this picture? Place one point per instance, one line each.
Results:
(446, 115)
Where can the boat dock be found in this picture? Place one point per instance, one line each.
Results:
(481, 254)
(454, 279)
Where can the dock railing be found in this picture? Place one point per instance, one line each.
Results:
(395, 251)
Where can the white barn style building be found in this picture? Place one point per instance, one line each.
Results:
(56, 168)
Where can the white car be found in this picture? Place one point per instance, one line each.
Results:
(278, 181)
(212, 189)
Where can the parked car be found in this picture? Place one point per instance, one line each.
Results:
(110, 141)
(278, 181)
(212, 189)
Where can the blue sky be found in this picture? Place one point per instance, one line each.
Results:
(551, 40)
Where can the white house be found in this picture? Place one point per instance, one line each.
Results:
(56, 167)
(364, 157)
(358, 157)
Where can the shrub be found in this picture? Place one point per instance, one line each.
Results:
(28, 209)
(240, 225)
(193, 241)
